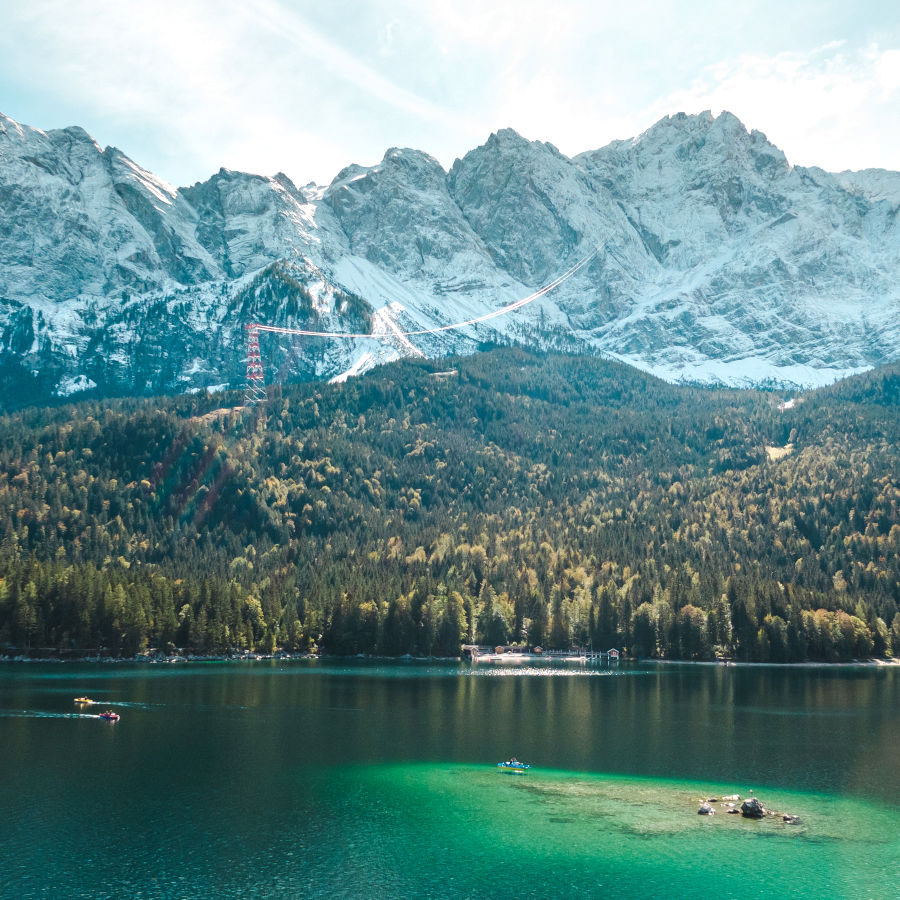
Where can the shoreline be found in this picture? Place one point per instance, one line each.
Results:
(804, 664)
(512, 663)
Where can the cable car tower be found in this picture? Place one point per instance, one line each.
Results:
(255, 389)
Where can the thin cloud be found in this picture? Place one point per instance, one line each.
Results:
(341, 63)
(185, 87)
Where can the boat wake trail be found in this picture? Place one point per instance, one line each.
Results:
(126, 703)
(40, 714)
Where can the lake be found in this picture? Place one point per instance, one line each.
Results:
(317, 778)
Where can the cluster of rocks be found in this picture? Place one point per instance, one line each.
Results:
(751, 808)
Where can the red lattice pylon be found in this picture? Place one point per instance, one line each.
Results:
(255, 389)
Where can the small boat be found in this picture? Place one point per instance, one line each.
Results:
(110, 716)
(513, 765)
(83, 700)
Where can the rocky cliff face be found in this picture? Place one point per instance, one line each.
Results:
(717, 261)
(763, 264)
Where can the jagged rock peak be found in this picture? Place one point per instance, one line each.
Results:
(77, 133)
(705, 122)
(676, 129)
(509, 141)
(685, 147)
(399, 215)
(724, 133)
(408, 155)
(416, 167)
(507, 136)
(504, 151)
(415, 163)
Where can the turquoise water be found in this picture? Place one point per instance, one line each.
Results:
(378, 780)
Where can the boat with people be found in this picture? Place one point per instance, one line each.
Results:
(85, 700)
(110, 716)
(513, 765)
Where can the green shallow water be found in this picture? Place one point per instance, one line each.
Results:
(374, 780)
(567, 833)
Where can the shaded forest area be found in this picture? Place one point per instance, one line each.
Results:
(506, 497)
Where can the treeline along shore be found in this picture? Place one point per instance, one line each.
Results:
(502, 498)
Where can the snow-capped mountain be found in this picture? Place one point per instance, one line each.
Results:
(717, 261)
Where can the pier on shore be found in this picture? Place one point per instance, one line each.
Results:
(478, 653)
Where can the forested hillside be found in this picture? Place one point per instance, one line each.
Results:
(499, 498)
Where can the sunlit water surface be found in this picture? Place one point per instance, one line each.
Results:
(322, 779)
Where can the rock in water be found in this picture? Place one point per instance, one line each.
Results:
(705, 810)
(753, 809)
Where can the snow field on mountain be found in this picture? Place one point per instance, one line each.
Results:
(719, 261)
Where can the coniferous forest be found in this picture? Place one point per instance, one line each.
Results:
(502, 498)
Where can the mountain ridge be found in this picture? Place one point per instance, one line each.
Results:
(718, 260)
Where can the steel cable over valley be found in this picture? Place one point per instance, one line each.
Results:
(511, 307)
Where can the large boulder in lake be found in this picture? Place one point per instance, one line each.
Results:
(753, 809)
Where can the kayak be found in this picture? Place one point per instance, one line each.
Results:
(513, 765)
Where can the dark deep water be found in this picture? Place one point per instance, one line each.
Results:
(321, 778)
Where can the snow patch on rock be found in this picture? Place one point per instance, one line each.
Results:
(75, 385)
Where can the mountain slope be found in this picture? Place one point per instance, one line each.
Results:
(763, 260)
(530, 497)
(716, 260)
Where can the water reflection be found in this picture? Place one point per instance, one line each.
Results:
(304, 778)
(805, 728)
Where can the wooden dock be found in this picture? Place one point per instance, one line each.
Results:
(513, 655)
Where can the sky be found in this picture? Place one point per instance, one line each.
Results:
(306, 87)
